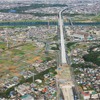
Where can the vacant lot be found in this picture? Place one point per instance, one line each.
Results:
(13, 61)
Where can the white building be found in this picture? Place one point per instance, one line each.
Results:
(78, 36)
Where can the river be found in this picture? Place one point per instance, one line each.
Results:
(46, 23)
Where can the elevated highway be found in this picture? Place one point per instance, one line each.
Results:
(63, 51)
(64, 78)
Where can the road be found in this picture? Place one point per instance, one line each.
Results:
(67, 90)
(63, 51)
(64, 74)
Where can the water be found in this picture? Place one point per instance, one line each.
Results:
(46, 23)
(12, 11)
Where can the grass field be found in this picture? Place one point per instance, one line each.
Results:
(2, 45)
(12, 61)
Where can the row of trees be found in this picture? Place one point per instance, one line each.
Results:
(32, 6)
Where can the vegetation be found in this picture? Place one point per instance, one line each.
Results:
(2, 45)
(55, 47)
(93, 57)
(41, 75)
(55, 38)
(70, 44)
(20, 26)
(82, 65)
(6, 94)
(16, 59)
(77, 72)
(96, 18)
(46, 59)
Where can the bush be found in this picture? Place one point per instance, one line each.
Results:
(92, 57)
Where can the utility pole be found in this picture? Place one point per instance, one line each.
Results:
(6, 33)
(58, 90)
(33, 77)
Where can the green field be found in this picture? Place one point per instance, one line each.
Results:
(2, 45)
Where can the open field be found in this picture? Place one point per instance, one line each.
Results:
(2, 45)
(13, 61)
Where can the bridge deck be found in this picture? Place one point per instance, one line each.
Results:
(64, 72)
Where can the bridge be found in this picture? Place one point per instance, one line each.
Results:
(63, 51)
(63, 77)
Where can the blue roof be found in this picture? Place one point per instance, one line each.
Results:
(12, 11)
(27, 97)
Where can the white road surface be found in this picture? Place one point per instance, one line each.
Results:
(66, 88)
(67, 92)
(63, 51)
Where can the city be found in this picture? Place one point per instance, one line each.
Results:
(50, 50)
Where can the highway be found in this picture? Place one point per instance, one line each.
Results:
(64, 74)
(67, 92)
(63, 51)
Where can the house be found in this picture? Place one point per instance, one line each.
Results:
(27, 97)
(86, 95)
